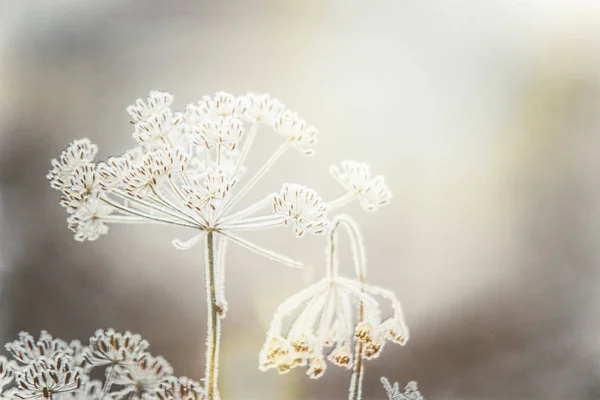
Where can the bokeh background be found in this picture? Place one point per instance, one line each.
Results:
(484, 116)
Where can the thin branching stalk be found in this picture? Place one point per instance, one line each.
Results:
(212, 319)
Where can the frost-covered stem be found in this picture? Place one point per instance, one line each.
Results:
(107, 383)
(251, 209)
(340, 201)
(359, 369)
(263, 170)
(355, 390)
(150, 205)
(247, 146)
(146, 216)
(212, 320)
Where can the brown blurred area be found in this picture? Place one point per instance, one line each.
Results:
(483, 116)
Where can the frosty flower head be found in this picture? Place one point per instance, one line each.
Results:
(301, 135)
(221, 132)
(355, 177)
(141, 376)
(77, 153)
(325, 317)
(158, 126)
(110, 347)
(207, 189)
(302, 207)
(83, 183)
(223, 104)
(264, 109)
(27, 349)
(89, 220)
(180, 389)
(156, 103)
(114, 170)
(47, 377)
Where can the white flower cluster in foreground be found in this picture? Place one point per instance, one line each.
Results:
(50, 368)
(187, 169)
(411, 391)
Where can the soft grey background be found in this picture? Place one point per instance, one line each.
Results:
(483, 116)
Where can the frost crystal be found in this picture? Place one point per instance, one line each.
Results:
(411, 391)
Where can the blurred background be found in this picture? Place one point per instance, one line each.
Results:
(483, 116)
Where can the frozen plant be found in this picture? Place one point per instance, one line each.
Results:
(411, 390)
(50, 368)
(187, 169)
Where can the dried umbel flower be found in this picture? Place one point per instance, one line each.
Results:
(47, 377)
(52, 369)
(140, 376)
(27, 349)
(325, 317)
(77, 153)
(108, 347)
(302, 207)
(355, 177)
(180, 389)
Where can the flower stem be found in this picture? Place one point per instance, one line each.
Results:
(263, 170)
(355, 390)
(359, 369)
(107, 383)
(212, 319)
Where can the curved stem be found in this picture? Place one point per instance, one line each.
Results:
(213, 322)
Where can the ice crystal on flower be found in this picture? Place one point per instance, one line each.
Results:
(410, 392)
(302, 207)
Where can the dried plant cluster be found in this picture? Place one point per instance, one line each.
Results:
(187, 169)
(50, 368)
